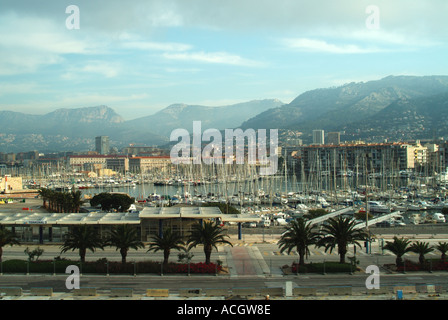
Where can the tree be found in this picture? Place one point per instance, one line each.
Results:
(208, 234)
(76, 200)
(299, 235)
(82, 238)
(108, 201)
(122, 202)
(399, 247)
(124, 237)
(44, 194)
(104, 199)
(340, 232)
(7, 238)
(443, 248)
(421, 248)
(67, 202)
(170, 240)
(35, 253)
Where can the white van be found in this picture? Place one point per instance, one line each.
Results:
(439, 217)
(265, 223)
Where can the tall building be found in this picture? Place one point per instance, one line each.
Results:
(102, 145)
(318, 137)
(334, 138)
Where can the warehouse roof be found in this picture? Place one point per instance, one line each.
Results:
(121, 217)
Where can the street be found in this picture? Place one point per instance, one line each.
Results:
(258, 266)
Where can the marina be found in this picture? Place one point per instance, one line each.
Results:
(419, 199)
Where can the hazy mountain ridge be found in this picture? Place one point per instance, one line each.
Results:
(76, 129)
(333, 107)
(403, 107)
(67, 129)
(224, 117)
(419, 118)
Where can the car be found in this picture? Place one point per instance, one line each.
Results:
(249, 225)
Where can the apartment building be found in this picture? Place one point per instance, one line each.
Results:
(365, 158)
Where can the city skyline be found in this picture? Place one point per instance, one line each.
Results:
(144, 56)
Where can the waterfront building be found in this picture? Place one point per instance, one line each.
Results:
(364, 158)
(118, 163)
(10, 184)
(54, 227)
(96, 162)
(148, 164)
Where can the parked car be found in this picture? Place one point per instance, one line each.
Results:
(249, 224)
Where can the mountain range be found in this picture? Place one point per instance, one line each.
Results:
(182, 116)
(76, 129)
(395, 107)
(351, 106)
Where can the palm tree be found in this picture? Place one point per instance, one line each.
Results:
(443, 248)
(298, 235)
(398, 247)
(44, 193)
(124, 237)
(83, 238)
(67, 202)
(76, 200)
(51, 196)
(170, 240)
(340, 232)
(6, 238)
(208, 234)
(421, 248)
(59, 197)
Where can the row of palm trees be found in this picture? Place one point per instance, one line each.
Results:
(61, 202)
(338, 232)
(401, 246)
(125, 237)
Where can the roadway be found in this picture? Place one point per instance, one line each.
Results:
(250, 263)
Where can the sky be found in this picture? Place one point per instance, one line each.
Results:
(140, 56)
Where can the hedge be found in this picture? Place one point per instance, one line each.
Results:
(429, 265)
(102, 267)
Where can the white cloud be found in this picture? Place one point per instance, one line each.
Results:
(311, 45)
(213, 57)
(93, 67)
(156, 46)
(105, 69)
(28, 43)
